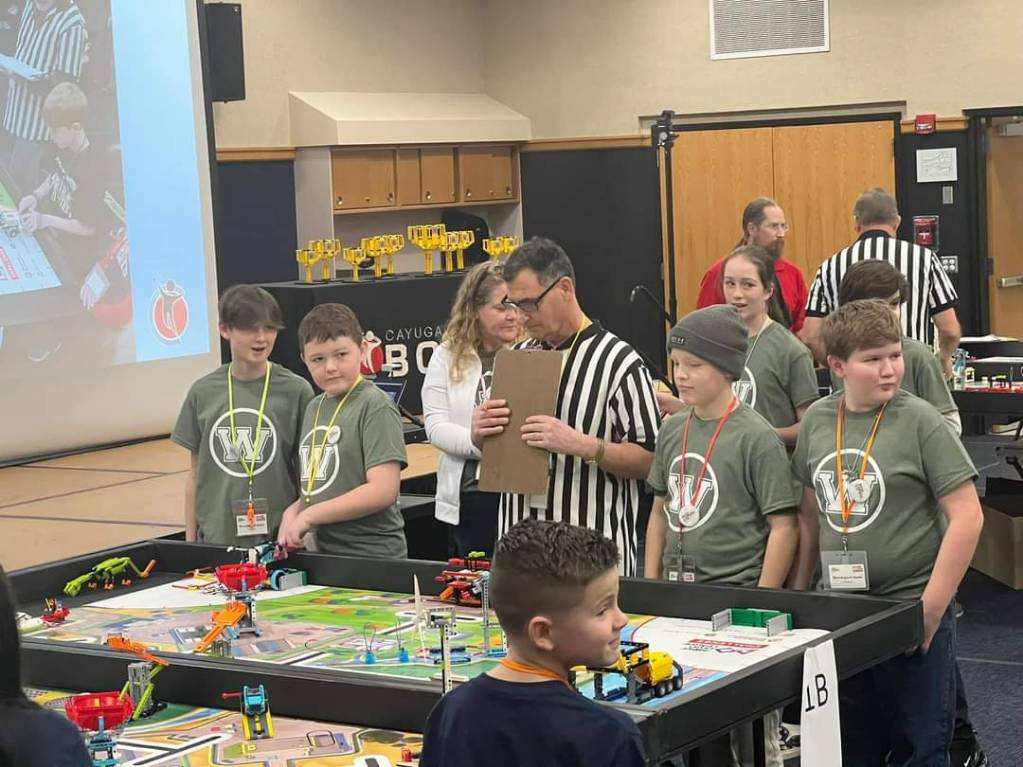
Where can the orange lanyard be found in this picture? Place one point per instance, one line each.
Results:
(529, 668)
(843, 499)
(710, 449)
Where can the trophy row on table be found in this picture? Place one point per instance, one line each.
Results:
(318, 260)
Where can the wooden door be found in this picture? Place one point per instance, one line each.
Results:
(485, 173)
(438, 174)
(814, 171)
(363, 178)
(819, 171)
(1005, 231)
(409, 177)
(714, 173)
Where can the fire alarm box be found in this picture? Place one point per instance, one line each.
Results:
(925, 124)
(925, 231)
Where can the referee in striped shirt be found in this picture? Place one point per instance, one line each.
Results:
(932, 297)
(51, 40)
(602, 439)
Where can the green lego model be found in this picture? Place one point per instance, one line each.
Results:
(751, 616)
(105, 573)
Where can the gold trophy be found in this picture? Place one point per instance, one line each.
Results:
(465, 240)
(330, 249)
(304, 258)
(428, 238)
(393, 244)
(448, 248)
(354, 257)
(502, 245)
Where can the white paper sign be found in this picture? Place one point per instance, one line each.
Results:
(936, 165)
(820, 733)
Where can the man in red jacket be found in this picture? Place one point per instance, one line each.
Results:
(763, 224)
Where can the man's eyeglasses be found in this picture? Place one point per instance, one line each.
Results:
(530, 305)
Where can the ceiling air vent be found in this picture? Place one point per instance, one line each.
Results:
(746, 28)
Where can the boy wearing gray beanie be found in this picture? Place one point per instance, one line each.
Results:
(724, 506)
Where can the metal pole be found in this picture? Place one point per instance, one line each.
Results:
(663, 138)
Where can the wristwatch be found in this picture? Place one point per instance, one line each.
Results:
(599, 455)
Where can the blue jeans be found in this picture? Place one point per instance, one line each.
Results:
(903, 710)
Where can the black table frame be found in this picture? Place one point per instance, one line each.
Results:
(866, 631)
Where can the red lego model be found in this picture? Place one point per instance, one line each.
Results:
(459, 582)
(242, 577)
(86, 709)
(55, 612)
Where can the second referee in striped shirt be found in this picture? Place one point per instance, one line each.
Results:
(602, 438)
(932, 297)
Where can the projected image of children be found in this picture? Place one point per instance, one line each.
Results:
(62, 219)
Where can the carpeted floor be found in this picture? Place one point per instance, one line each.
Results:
(991, 660)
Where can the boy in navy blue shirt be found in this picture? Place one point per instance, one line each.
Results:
(554, 587)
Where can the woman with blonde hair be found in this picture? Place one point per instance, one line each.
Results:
(457, 381)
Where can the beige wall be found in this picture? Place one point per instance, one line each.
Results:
(589, 67)
(592, 67)
(339, 45)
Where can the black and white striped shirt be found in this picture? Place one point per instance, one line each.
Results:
(606, 392)
(53, 42)
(930, 289)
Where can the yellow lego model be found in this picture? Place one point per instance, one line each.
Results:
(648, 674)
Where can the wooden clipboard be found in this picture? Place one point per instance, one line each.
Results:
(528, 379)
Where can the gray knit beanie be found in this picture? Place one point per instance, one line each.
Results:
(716, 334)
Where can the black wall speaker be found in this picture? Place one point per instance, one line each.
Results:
(226, 59)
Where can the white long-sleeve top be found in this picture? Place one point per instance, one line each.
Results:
(447, 411)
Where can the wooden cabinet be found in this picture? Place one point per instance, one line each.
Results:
(485, 173)
(437, 165)
(422, 176)
(363, 178)
(409, 181)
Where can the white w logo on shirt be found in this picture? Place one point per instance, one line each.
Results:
(686, 496)
(827, 487)
(245, 443)
(324, 461)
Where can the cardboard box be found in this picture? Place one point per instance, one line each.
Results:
(1000, 548)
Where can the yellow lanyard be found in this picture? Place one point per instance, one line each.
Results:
(843, 500)
(314, 459)
(250, 469)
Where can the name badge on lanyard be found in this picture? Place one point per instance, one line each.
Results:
(251, 516)
(845, 570)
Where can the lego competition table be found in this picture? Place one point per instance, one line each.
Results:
(177, 734)
(350, 649)
(402, 316)
(1001, 363)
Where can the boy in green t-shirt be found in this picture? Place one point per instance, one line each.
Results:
(241, 424)
(880, 467)
(724, 501)
(923, 376)
(352, 450)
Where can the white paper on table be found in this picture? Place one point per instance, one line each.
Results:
(936, 165)
(1007, 360)
(820, 733)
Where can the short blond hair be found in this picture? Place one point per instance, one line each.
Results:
(64, 106)
(865, 324)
